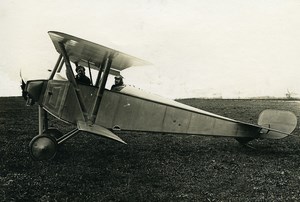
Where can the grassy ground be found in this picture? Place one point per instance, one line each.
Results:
(151, 167)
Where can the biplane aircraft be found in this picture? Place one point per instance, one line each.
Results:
(100, 111)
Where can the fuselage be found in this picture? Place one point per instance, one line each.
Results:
(132, 109)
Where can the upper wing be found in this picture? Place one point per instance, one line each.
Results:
(87, 53)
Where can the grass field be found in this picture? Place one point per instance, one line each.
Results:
(151, 167)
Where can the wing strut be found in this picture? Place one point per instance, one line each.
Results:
(71, 78)
(90, 72)
(60, 66)
(101, 67)
(55, 67)
(106, 67)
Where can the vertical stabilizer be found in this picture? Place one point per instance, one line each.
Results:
(283, 121)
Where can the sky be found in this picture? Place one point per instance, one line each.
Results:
(198, 48)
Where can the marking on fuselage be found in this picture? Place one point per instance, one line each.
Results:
(127, 105)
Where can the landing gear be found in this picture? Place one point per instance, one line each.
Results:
(43, 147)
(54, 133)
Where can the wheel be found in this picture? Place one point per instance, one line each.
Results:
(43, 147)
(53, 132)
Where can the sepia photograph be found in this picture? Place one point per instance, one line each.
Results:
(150, 100)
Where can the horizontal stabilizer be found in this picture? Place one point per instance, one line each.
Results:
(98, 130)
(277, 124)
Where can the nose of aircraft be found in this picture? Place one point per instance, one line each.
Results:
(23, 85)
(31, 89)
(32, 81)
(24, 93)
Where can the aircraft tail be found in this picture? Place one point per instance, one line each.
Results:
(277, 124)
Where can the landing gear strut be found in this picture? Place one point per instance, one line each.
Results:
(44, 146)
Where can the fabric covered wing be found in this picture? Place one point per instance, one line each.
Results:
(84, 52)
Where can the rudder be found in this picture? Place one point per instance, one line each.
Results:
(283, 121)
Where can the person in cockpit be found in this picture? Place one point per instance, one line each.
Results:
(119, 84)
(81, 78)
